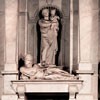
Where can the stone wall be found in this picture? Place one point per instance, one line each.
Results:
(88, 28)
(2, 32)
(99, 32)
(99, 55)
(88, 50)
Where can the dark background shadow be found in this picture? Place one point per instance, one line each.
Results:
(99, 81)
(21, 63)
(47, 96)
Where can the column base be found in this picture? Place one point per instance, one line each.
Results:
(9, 97)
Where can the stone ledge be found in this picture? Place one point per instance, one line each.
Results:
(9, 72)
(32, 81)
(85, 72)
(47, 85)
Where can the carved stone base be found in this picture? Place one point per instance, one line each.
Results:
(47, 86)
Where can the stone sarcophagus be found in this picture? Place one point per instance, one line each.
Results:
(47, 86)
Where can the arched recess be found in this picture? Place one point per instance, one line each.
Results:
(32, 48)
(63, 39)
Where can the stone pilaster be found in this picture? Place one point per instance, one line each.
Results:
(88, 48)
(11, 11)
(10, 49)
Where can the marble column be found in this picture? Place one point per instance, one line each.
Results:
(10, 67)
(88, 48)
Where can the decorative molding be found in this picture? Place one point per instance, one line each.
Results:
(84, 72)
(9, 72)
(22, 13)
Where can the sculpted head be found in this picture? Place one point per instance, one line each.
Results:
(45, 12)
(53, 12)
(28, 60)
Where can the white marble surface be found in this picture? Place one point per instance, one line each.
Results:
(47, 85)
(21, 35)
(87, 5)
(88, 49)
(88, 46)
(7, 84)
(9, 97)
(10, 33)
(85, 97)
(10, 46)
(42, 3)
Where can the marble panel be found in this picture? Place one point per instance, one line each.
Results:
(89, 30)
(2, 31)
(87, 86)
(7, 84)
(43, 3)
(86, 5)
(33, 8)
(75, 40)
(9, 97)
(99, 40)
(89, 22)
(65, 44)
(1, 5)
(32, 40)
(22, 5)
(84, 97)
(10, 30)
(66, 7)
(21, 39)
(1, 85)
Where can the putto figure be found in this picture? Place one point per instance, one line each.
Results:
(49, 27)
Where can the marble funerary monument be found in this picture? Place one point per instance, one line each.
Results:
(44, 38)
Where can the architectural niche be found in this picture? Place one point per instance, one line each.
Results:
(78, 49)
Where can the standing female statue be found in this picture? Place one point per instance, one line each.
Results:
(49, 28)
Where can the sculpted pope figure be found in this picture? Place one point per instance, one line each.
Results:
(32, 71)
(49, 27)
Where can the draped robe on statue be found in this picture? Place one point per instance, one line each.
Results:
(48, 40)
